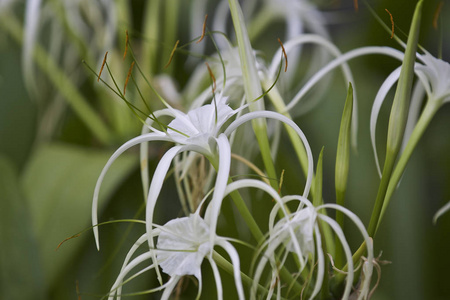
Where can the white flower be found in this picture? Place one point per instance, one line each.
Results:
(199, 125)
(183, 244)
(296, 231)
(192, 132)
(434, 80)
(434, 74)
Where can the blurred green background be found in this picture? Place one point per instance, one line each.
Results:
(50, 161)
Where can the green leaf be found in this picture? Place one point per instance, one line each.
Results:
(343, 149)
(59, 183)
(21, 272)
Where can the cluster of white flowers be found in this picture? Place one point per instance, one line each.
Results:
(208, 130)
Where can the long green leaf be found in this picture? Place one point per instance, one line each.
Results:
(59, 183)
(21, 272)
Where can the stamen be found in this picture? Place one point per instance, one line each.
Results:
(437, 13)
(69, 238)
(355, 4)
(128, 77)
(126, 44)
(392, 22)
(284, 53)
(171, 54)
(103, 65)
(203, 30)
(212, 77)
(281, 182)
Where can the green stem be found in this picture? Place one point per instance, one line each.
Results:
(252, 87)
(61, 82)
(427, 115)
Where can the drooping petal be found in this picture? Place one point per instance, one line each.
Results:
(276, 116)
(236, 265)
(135, 141)
(339, 61)
(223, 173)
(379, 99)
(441, 211)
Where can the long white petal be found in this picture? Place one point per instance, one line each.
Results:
(337, 62)
(170, 285)
(217, 278)
(276, 116)
(379, 99)
(135, 141)
(223, 174)
(335, 226)
(135, 262)
(236, 265)
(441, 211)
(153, 193)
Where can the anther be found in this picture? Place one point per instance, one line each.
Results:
(284, 53)
(212, 76)
(203, 30)
(128, 77)
(103, 64)
(437, 13)
(171, 54)
(392, 23)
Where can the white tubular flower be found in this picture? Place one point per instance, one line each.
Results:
(183, 244)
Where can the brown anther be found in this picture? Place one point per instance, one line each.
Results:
(355, 4)
(436, 14)
(281, 182)
(103, 64)
(171, 54)
(126, 45)
(128, 77)
(212, 76)
(392, 23)
(69, 238)
(203, 30)
(284, 53)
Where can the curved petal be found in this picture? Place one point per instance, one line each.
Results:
(441, 211)
(337, 62)
(236, 265)
(223, 173)
(155, 189)
(335, 226)
(379, 98)
(141, 258)
(135, 141)
(170, 285)
(276, 116)
(217, 278)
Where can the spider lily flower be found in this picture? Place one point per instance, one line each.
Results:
(182, 246)
(194, 131)
(304, 224)
(434, 80)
